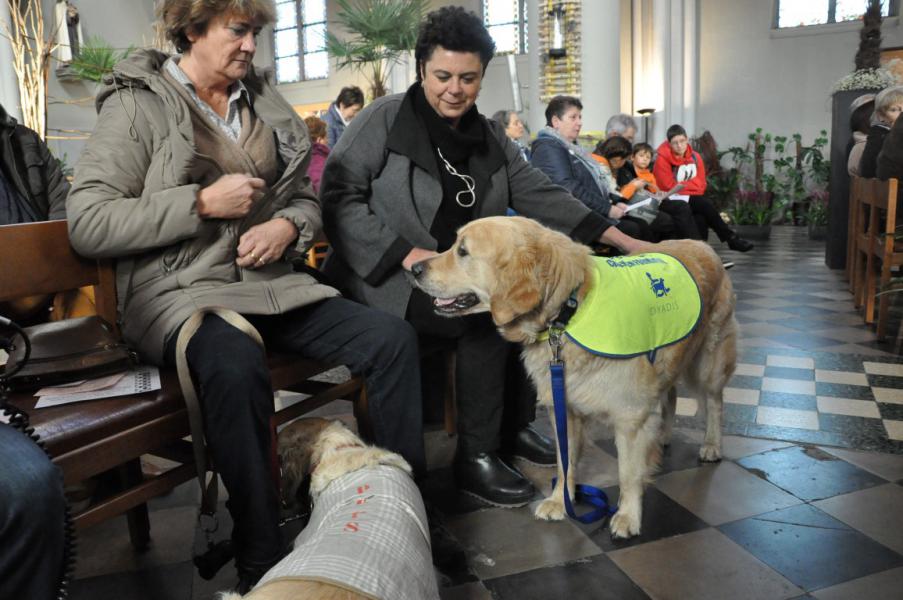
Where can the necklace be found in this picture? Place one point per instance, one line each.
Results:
(468, 182)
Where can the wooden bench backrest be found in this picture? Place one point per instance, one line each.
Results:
(36, 258)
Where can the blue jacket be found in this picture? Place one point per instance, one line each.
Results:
(566, 170)
(335, 127)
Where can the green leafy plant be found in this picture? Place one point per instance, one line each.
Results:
(96, 58)
(750, 208)
(817, 213)
(380, 31)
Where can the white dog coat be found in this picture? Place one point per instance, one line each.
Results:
(367, 533)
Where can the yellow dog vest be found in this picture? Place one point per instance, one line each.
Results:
(636, 305)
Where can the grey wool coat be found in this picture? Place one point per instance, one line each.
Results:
(134, 196)
(381, 191)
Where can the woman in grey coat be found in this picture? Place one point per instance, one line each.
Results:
(195, 181)
(408, 171)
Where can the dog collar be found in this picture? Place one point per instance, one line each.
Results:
(567, 311)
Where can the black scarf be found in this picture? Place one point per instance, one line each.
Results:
(460, 146)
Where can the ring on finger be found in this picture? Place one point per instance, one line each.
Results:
(260, 261)
(252, 255)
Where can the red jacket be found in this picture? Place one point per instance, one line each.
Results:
(688, 169)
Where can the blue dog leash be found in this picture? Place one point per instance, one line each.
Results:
(584, 493)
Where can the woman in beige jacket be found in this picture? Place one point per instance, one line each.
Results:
(195, 181)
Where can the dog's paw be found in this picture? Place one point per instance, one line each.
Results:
(709, 453)
(624, 525)
(549, 510)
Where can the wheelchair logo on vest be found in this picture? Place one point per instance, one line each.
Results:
(658, 286)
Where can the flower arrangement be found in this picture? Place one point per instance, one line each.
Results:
(865, 79)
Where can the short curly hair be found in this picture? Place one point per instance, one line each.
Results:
(456, 29)
(316, 127)
(181, 17)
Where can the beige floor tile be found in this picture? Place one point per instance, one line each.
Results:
(894, 429)
(877, 368)
(741, 396)
(845, 377)
(496, 545)
(747, 369)
(765, 329)
(787, 417)
(876, 512)
(880, 586)
(788, 386)
(795, 362)
(889, 395)
(735, 447)
(687, 407)
(722, 493)
(888, 466)
(703, 565)
(848, 406)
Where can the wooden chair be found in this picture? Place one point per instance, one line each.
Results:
(853, 230)
(877, 250)
(89, 438)
(317, 254)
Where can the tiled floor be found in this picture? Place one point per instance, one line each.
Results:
(808, 502)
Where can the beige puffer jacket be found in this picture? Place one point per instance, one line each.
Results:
(133, 199)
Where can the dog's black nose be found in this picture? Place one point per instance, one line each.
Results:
(417, 269)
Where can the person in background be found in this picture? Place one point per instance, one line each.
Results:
(677, 163)
(621, 125)
(319, 151)
(888, 104)
(861, 110)
(410, 170)
(347, 104)
(33, 188)
(557, 154)
(194, 180)
(514, 129)
(32, 520)
(674, 219)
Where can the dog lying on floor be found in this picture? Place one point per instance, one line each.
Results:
(367, 536)
(523, 274)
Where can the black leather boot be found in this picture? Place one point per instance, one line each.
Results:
(489, 479)
(533, 447)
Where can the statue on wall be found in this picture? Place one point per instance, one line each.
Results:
(68, 30)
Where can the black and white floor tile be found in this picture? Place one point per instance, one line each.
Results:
(807, 503)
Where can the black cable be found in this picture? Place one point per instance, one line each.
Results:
(18, 419)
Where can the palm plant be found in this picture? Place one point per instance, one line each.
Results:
(97, 58)
(380, 31)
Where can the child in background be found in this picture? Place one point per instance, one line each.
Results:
(642, 158)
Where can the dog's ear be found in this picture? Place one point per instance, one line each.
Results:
(518, 290)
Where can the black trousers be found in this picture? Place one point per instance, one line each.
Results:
(680, 218)
(707, 217)
(494, 397)
(231, 374)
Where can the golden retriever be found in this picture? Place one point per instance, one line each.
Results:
(327, 451)
(522, 273)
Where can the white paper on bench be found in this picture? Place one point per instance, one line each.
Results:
(134, 381)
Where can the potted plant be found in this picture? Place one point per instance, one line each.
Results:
(751, 213)
(817, 215)
(380, 32)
